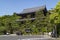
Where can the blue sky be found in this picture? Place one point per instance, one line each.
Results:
(8, 7)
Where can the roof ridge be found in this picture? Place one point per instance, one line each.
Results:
(35, 7)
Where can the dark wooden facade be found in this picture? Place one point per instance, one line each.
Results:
(31, 13)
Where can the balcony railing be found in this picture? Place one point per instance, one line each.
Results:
(25, 19)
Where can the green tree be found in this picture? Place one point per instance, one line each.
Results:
(55, 17)
(9, 22)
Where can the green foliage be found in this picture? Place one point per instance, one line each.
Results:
(55, 17)
(41, 23)
(5, 20)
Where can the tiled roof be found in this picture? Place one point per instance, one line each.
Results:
(34, 9)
